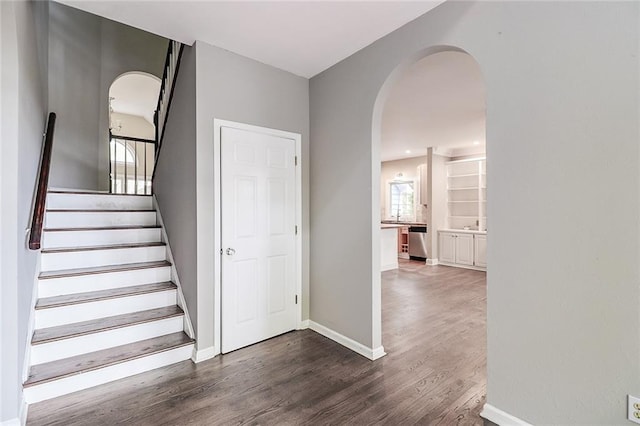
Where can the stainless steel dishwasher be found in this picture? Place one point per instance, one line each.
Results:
(418, 242)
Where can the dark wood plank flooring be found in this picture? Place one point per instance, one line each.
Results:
(434, 374)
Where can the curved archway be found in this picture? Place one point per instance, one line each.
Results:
(392, 81)
(133, 97)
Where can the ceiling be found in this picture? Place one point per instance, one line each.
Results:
(135, 94)
(302, 37)
(439, 102)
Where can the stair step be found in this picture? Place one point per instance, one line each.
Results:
(97, 200)
(101, 269)
(98, 256)
(89, 192)
(105, 247)
(67, 367)
(83, 328)
(107, 235)
(94, 296)
(103, 228)
(86, 218)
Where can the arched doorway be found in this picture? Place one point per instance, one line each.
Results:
(429, 130)
(133, 97)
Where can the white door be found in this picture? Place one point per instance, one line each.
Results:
(447, 247)
(258, 208)
(464, 249)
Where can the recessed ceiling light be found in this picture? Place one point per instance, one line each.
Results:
(476, 142)
(408, 151)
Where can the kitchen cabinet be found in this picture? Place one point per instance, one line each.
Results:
(462, 249)
(480, 250)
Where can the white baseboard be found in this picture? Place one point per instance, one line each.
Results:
(22, 419)
(304, 324)
(345, 341)
(432, 262)
(388, 267)
(203, 354)
(501, 418)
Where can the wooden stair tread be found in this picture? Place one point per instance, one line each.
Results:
(89, 192)
(103, 247)
(99, 210)
(93, 296)
(103, 228)
(67, 331)
(102, 269)
(54, 370)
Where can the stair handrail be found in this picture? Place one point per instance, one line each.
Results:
(161, 114)
(37, 217)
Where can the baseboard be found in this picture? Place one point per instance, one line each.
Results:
(501, 418)
(388, 267)
(203, 354)
(22, 419)
(304, 324)
(345, 341)
(432, 262)
(457, 265)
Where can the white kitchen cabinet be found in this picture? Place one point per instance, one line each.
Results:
(480, 250)
(465, 249)
(447, 250)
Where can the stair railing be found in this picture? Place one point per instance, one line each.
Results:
(37, 217)
(171, 67)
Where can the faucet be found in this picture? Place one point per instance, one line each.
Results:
(398, 215)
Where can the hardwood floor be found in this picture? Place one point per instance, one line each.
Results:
(434, 334)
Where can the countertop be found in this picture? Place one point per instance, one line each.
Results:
(391, 226)
(464, 231)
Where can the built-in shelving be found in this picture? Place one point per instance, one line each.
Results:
(466, 194)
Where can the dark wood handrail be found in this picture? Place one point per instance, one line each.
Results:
(166, 95)
(37, 218)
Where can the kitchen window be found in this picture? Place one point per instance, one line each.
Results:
(402, 201)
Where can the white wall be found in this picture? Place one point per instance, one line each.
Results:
(23, 114)
(133, 126)
(562, 95)
(86, 54)
(174, 184)
(437, 196)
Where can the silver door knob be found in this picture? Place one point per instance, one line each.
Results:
(230, 252)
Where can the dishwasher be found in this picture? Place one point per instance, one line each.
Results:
(418, 242)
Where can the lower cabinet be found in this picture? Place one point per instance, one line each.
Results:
(480, 250)
(463, 249)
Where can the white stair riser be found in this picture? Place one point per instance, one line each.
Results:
(59, 239)
(60, 349)
(98, 202)
(98, 219)
(52, 317)
(89, 379)
(95, 282)
(92, 258)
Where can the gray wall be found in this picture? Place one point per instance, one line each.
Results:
(174, 183)
(232, 87)
(23, 111)
(562, 95)
(86, 54)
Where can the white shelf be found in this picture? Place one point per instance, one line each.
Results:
(464, 175)
(463, 217)
(466, 201)
(468, 188)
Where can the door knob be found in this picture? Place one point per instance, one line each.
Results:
(230, 252)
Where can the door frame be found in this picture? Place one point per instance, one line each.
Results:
(218, 124)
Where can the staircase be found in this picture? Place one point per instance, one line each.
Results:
(106, 307)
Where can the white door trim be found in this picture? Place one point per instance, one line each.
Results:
(217, 307)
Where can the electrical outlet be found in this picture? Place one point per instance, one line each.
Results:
(633, 409)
